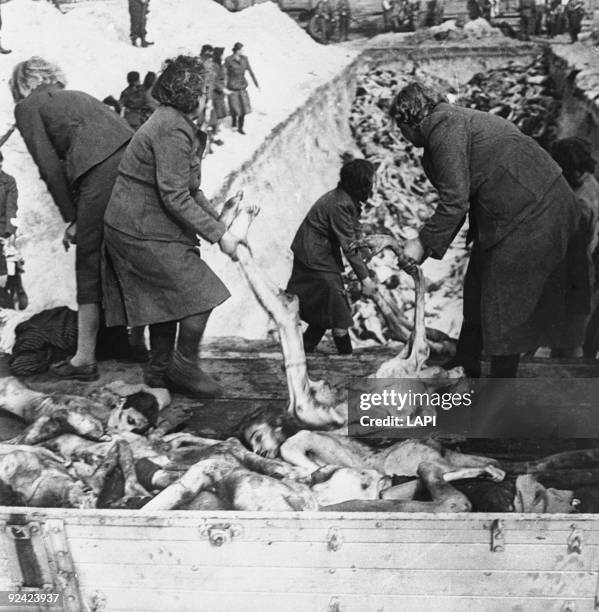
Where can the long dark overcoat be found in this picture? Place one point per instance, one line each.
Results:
(527, 269)
(153, 271)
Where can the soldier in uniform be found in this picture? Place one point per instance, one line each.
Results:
(326, 20)
(133, 100)
(575, 13)
(386, 8)
(138, 12)
(527, 18)
(343, 17)
(2, 49)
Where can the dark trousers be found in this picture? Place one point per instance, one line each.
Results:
(343, 27)
(527, 23)
(138, 15)
(538, 21)
(574, 24)
(470, 343)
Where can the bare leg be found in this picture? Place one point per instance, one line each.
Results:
(445, 497)
(132, 486)
(96, 481)
(88, 322)
(183, 490)
(568, 460)
(304, 401)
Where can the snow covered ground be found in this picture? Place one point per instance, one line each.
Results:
(91, 44)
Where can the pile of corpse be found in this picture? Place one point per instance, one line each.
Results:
(113, 449)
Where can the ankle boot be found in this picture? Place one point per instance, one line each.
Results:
(343, 344)
(3, 50)
(154, 376)
(162, 343)
(184, 376)
(312, 336)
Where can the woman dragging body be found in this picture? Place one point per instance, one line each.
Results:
(154, 271)
(527, 270)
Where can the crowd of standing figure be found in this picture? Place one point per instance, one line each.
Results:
(551, 17)
(133, 205)
(225, 89)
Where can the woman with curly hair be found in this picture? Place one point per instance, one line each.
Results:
(154, 271)
(77, 143)
(527, 270)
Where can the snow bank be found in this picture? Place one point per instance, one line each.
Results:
(91, 44)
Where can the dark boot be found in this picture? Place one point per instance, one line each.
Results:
(5, 51)
(343, 344)
(312, 336)
(146, 43)
(162, 343)
(504, 366)
(472, 366)
(184, 376)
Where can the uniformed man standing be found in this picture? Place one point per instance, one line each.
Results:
(344, 17)
(138, 12)
(133, 100)
(326, 19)
(527, 18)
(2, 49)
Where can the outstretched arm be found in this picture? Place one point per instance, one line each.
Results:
(447, 156)
(253, 75)
(33, 130)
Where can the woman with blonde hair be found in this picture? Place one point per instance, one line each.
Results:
(155, 274)
(77, 143)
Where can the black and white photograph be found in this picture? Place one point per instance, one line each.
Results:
(299, 305)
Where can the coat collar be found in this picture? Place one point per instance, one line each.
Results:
(45, 87)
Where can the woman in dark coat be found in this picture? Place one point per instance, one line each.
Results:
(236, 65)
(77, 143)
(527, 269)
(328, 229)
(150, 104)
(219, 102)
(154, 272)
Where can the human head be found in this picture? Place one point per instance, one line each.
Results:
(181, 84)
(207, 51)
(237, 47)
(356, 178)
(574, 157)
(30, 74)
(264, 430)
(410, 106)
(218, 54)
(149, 80)
(133, 77)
